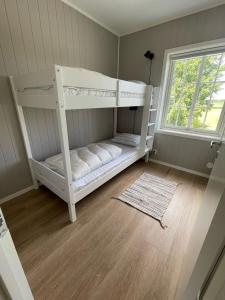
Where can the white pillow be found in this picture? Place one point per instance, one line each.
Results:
(127, 139)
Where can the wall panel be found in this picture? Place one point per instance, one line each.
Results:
(34, 34)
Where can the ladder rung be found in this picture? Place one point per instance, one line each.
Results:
(152, 109)
(148, 137)
(151, 124)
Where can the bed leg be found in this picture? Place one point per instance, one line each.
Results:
(72, 212)
(36, 184)
(147, 157)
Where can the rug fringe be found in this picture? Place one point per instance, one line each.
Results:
(114, 197)
(164, 226)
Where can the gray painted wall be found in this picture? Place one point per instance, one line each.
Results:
(33, 35)
(203, 26)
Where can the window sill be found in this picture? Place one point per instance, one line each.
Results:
(195, 136)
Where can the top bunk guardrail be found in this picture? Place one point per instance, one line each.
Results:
(76, 88)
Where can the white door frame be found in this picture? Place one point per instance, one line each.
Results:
(207, 240)
(215, 285)
(209, 253)
(11, 271)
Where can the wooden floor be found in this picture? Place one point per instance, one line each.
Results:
(113, 251)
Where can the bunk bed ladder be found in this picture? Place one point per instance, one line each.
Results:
(147, 123)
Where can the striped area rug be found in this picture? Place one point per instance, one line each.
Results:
(151, 195)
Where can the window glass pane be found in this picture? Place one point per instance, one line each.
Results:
(211, 66)
(187, 69)
(177, 116)
(219, 91)
(205, 94)
(206, 118)
(213, 115)
(193, 65)
(182, 91)
(181, 97)
(196, 93)
(198, 117)
(209, 106)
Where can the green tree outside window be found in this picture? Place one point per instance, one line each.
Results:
(196, 92)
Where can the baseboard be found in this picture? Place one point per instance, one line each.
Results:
(180, 168)
(17, 194)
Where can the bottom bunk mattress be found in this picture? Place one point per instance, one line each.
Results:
(127, 153)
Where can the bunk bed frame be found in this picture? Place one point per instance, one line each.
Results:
(63, 88)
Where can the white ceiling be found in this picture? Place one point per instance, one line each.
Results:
(127, 16)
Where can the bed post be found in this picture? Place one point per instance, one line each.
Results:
(19, 111)
(145, 120)
(115, 110)
(114, 121)
(64, 142)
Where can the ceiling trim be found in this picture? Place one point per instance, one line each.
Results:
(178, 16)
(90, 17)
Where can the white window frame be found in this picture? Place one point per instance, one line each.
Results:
(205, 47)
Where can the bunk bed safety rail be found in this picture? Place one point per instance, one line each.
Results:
(42, 88)
(131, 93)
(82, 89)
(78, 77)
(36, 89)
(54, 181)
(34, 80)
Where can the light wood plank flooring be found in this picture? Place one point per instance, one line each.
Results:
(113, 251)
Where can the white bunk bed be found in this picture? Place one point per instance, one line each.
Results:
(63, 88)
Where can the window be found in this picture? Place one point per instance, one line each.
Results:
(194, 97)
